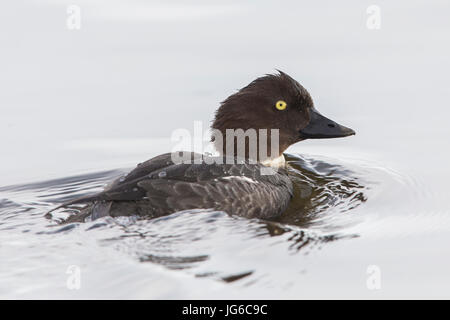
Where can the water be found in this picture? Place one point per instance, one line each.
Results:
(80, 108)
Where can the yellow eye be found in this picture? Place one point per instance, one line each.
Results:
(281, 105)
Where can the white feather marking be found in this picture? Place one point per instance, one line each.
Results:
(242, 178)
(276, 162)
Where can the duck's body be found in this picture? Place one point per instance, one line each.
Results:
(159, 187)
(246, 185)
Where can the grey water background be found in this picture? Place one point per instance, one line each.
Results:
(81, 107)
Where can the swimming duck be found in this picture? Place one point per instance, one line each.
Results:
(238, 181)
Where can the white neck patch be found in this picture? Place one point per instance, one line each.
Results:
(275, 162)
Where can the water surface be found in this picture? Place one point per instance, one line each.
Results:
(80, 108)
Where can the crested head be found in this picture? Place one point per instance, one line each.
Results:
(272, 102)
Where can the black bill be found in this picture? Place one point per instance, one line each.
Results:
(320, 127)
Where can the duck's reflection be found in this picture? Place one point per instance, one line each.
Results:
(321, 191)
(320, 188)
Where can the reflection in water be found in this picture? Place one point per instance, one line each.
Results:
(302, 239)
(203, 243)
(319, 189)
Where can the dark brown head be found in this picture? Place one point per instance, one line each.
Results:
(276, 102)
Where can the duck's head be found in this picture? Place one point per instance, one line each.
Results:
(276, 102)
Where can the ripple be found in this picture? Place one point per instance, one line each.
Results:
(201, 243)
(322, 192)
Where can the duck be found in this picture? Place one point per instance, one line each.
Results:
(272, 113)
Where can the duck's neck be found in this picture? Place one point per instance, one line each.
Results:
(266, 158)
(255, 145)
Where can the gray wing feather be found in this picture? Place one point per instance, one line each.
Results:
(234, 188)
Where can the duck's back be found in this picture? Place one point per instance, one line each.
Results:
(159, 187)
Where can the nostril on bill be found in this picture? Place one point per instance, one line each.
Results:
(331, 125)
